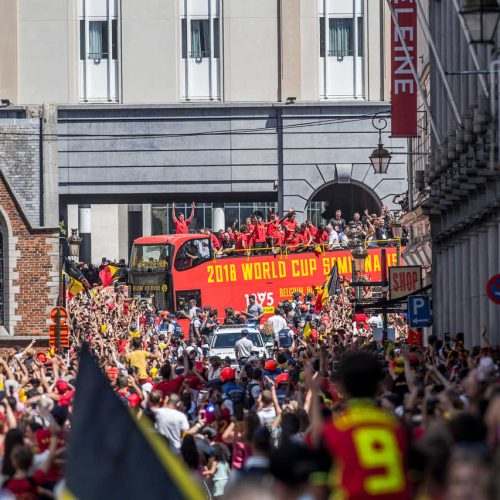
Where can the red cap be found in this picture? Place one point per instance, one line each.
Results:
(227, 374)
(270, 365)
(282, 378)
(134, 400)
(62, 385)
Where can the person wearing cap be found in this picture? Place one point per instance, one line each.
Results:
(243, 347)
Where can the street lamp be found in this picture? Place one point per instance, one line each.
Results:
(359, 255)
(74, 242)
(380, 157)
(481, 18)
(397, 229)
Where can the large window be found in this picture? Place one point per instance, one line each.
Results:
(200, 49)
(341, 49)
(98, 36)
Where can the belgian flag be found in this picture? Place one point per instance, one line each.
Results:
(330, 287)
(113, 455)
(74, 279)
(110, 274)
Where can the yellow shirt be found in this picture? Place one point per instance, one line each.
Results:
(138, 359)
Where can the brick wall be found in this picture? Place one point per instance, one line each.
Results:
(31, 269)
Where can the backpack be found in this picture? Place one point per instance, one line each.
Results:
(249, 399)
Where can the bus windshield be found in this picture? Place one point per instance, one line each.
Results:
(149, 258)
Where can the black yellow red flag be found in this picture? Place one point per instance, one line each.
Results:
(111, 454)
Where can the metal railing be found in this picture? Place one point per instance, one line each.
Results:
(284, 251)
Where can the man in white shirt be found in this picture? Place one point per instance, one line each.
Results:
(243, 347)
(277, 321)
(171, 423)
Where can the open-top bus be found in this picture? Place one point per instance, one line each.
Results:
(173, 269)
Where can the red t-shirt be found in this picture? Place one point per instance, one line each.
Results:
(289, 226)
(368, 449)
(221, 424)
(307, 235)
(259, 233)
(321, 237)
(241, 241)
(215, 241)
(298, 239)
(170, 386)
(313, 230)
(181, 227)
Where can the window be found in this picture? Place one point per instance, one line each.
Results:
(228, 340)
(216, 38)
(361, 38)
(200, 38)
(98, 52)
(321, 37)
(341, 35)
(149, 258)
(192, 254)
(201, 48)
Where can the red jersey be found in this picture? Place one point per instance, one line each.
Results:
(215, 241)
(241, 241)
(289, 226)
(181, 227)
(220, 423)
(368, 448)
(298, 239)
(168, 387)
(321, 237)
(313, 230)
(307, 235)
(259, 233)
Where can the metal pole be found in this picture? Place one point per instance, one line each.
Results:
(383, 264)
(439, 66)
(414, 73)
(279, 132)
(58, 330)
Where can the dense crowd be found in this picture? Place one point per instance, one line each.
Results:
(257, 235)
(390, 419)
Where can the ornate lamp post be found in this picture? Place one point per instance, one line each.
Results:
(481, 18)
(380, 157)
(74, 242)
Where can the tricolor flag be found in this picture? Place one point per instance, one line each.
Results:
(111, 454)
(110, 274)
(74, 279)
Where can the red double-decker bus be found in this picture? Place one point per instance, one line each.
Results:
(173, 269)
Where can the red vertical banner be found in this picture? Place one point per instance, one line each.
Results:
(404, 87)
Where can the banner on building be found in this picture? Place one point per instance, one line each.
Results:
(404, 87)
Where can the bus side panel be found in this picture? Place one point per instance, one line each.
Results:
(229, 281)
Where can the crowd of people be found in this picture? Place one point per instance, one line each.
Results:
(257, 235)
(329, 411)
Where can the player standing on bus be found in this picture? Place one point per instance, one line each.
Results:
(181, 224)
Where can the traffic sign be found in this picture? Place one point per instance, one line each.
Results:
(493, 289)
(419, 311)
(63, 334)
(63, 314)
(404, 280)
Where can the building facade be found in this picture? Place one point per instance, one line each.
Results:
(458, 188)
(236, 105)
